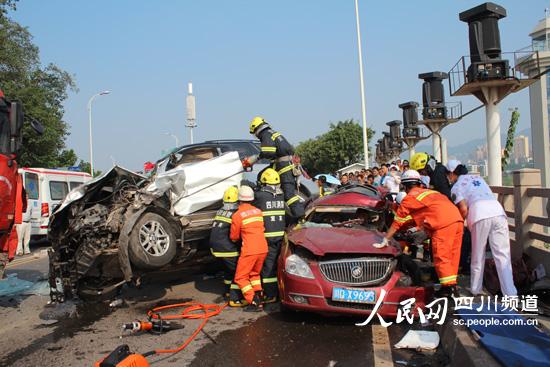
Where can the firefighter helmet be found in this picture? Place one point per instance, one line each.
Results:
(246, 193)
(270, 177)
(411, 176)
(419, 161)
(231, 195)
(256, 123)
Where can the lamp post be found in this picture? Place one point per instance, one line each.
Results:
(90, 120)
(363, 107)
(175, 138)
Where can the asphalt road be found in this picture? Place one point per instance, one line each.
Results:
(34, 333)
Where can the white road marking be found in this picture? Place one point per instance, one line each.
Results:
(381, 346)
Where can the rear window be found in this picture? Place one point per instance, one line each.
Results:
(73, 185)
(58, 190)
(31, 185)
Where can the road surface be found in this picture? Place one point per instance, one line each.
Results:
(34, 333)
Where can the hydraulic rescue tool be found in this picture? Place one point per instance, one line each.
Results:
(157, 324)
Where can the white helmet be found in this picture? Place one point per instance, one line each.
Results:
(400, 196)
(246, 193)
(411, 176)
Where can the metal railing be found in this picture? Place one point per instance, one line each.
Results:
(458, 75)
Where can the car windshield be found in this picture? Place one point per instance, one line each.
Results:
(348, 217)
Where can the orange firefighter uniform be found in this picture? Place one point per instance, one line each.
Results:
(440, 218)
(248, 225)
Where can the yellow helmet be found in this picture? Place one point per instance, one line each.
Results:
(231, 195)
(256, 122)
(419, 161)
(270, 177)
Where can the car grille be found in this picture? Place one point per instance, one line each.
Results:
(353, 306)
(364, 271)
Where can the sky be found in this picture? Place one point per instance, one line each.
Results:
(292, 62)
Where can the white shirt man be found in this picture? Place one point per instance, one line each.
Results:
(24, 232)
(486, 220)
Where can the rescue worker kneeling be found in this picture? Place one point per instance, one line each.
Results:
(440, 218)
(248, 225)
(224, 249)
(270, 200)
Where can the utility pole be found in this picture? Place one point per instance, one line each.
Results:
(191, 116)
(363, 107)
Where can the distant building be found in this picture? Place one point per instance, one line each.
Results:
(539, 96)
(351, 168)
(521, 149)
(481, 153)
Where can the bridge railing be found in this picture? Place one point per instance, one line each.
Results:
(527, 205)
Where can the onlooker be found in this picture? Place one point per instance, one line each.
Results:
(405, 165)
(370, 180)
(383, 173)
(376, 174)
(487, 221)
(392, 181)
(351, 178)
(361, 179)
(344, 180)
(24, 230)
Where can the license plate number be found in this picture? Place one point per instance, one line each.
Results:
(353, 295)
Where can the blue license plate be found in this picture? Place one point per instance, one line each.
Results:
(353, 295)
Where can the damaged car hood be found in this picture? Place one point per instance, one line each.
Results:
(321, 241)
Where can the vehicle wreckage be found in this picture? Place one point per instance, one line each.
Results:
(121, 225)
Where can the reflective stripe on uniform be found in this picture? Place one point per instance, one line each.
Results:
(274, 234)
(267, 213)
(449, 279)
(253, 219)
(270, 280)
(402, 220)
(223, 219)
(234, 286)
(256, 282)
(269, 149)
(285, 169)
(275, 136)
(292, 200)
(225, 281)
(225, 254)
(246, 288)
(424, 194)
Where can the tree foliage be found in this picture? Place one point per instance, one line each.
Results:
(42, 90)
(505, 159)
(341, 146)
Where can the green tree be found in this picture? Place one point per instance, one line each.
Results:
(341, 146)
(42, 91)
(510, 139)
(85, 167)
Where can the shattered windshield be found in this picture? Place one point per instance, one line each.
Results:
(345, 217)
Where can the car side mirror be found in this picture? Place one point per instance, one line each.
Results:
(16, 125)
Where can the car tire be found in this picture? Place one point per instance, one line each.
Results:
(152, 242)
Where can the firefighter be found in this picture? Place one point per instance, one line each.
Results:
(440, 218)
(278, 150)
(270, 200)
(426, 165)
(248, 225)
(224, 249)
(436, 172)
(324, 187)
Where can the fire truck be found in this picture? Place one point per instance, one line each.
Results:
(11, 127)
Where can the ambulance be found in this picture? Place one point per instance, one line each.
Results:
(46, 188)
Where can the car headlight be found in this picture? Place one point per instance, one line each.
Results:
(295, 265)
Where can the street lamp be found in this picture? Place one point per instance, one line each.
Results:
(175, 138)
(90, 120)
(363, 108)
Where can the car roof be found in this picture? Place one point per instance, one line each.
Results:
(208, 143)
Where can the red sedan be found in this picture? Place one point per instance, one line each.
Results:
(328, 264)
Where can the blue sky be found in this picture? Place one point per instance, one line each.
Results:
(292, 62)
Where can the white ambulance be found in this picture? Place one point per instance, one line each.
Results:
(46, 188)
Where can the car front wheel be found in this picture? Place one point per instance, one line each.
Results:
(152, 242)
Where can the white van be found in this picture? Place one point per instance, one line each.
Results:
(46, 188)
